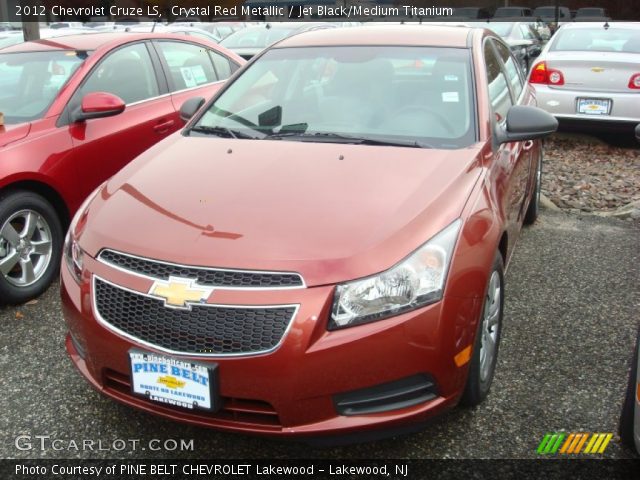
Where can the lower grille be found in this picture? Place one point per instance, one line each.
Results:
(237, 410)
(203, 330)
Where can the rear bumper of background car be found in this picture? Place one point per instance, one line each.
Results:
(563, 104)
(297, 389)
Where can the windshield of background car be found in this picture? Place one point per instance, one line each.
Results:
(29, 82)
(500, 29)
(256, 37)
(407, 94)
(597, 39)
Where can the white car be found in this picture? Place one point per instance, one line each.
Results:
(589, 75)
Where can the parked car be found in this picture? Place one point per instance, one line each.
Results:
(308, 220)
(222, 29)
(512, 12)
(522, 38)
(177, 30)
(588, 76)
(548, 14)
(630, 417)
(56, 147)
(591, 14)
(471, 13)
(252, 40)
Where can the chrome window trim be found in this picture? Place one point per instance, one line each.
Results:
(216, 287)
(136, 340)
(172, 93)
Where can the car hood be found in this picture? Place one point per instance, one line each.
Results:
(330, 212)
(13, 133)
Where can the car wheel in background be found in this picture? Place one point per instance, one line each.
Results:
(485, 349)
(30, 246)
(628, 409)
(534, 204)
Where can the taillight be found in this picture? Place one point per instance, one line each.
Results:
(546, 76)
(634, 81)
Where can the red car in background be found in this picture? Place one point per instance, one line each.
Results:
(57, 144)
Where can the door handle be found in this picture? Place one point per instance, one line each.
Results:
(528, 145)
(164, 127)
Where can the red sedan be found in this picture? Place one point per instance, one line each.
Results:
(56, 143)
(321, 251)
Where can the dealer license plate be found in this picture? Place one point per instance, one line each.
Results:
(594, 106)
(172, 381)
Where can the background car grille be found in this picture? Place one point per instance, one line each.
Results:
(205, 276)
(205, 329)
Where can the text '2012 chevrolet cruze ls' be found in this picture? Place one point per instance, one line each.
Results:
(321, 250)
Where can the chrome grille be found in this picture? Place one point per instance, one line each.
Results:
(203, 330)
(213, 277)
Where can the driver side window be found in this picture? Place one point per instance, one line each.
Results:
(127, 73)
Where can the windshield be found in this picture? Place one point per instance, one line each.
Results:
(29, 82)
(260, 37)
(597, 39)
(408, 95)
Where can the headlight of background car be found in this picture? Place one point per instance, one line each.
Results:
(416, 281)
(73, 254)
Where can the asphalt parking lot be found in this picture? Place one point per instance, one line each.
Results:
(571, 316)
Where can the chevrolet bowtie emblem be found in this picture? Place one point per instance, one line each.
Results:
(180, 292)
(597, 69)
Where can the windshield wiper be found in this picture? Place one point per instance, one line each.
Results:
(219, 132)
(353, 139)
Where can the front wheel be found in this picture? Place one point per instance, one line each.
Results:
(30, 246)
(534, 204)
(485, 349)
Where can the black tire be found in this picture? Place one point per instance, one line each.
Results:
(534, 204)
(477, 387)
(627, 415)
(11, 203)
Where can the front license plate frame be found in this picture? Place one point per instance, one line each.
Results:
(172, 381)
(597, 107)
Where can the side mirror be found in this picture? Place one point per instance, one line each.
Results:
(525, 122)
(638, 132)
(98, 105)
(190, 107)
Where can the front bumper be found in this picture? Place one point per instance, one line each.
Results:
(294, 390)
(563, 104)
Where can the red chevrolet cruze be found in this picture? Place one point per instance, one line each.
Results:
(321, 250)
(56, 144)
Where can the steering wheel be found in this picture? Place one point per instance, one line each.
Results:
(436, 115)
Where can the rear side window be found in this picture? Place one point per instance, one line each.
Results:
(127, 73)
(512, 69)
(189, 64)
(222, 65)
(498, 91)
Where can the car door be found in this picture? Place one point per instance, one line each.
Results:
(103, 146)
(512, 160)
(193, 70)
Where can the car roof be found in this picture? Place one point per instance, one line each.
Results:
(86, 41)
(611, 24)
(416, 35)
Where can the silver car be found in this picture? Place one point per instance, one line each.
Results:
(589, 75)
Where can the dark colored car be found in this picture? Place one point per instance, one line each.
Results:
(512, 12)
(56, 146)
(522, 38)
(630, 416)
(316, 253)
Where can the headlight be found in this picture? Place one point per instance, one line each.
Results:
(416, 281)
(73, 254)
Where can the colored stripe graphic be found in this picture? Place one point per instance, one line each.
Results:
(550, 443)
(573, 443)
